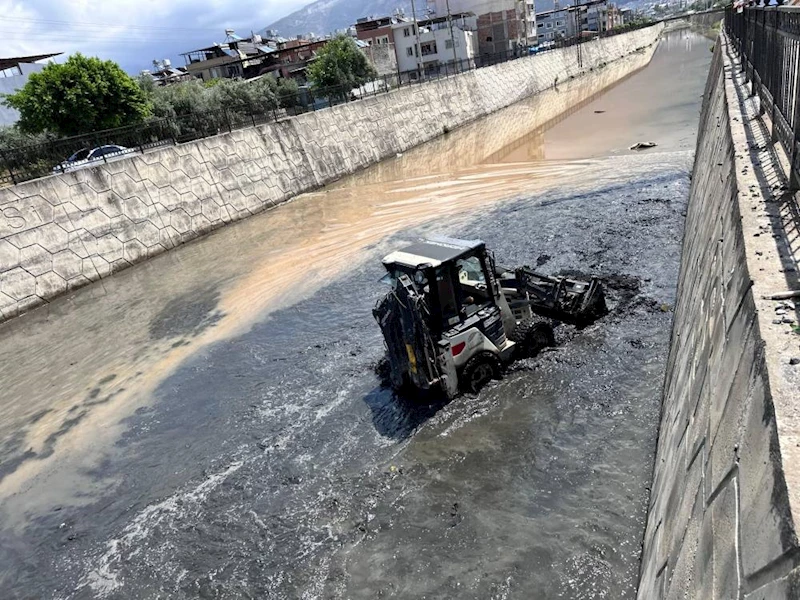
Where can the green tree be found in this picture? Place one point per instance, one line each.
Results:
(82, 95)
(287, 93)
(340, 63)
(243, 97)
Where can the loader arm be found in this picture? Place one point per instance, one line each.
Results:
(577, 302)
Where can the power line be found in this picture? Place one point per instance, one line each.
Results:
(114, 25)
(196, 44)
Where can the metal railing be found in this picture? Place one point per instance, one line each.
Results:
(23, 163)
(767, 40)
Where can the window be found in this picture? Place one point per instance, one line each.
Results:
(382, 40)
(541, 36)
(409, 51)
(79, 155)
(489, 38)
(448, 44)
(550, 35)
(406, 32)
(103, 151)
(470, 271)
(447, 297)
(559, 23)
(549, 25)
(428, 48)
(542, 25)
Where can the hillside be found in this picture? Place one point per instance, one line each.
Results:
(325, 16)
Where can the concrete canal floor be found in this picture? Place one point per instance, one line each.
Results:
(208, 424)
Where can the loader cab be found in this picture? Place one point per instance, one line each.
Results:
(456, 278)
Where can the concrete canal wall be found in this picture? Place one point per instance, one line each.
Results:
(63, 232)
(722, 512)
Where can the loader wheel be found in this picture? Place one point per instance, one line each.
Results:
(532, 337)
(480, 370)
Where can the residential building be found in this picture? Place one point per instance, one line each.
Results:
(589, 16)
(290, 58)
(164, 73)
(614, 17)
(236, 57)
(594, 17)
(246, 58)
(14, 73)
(382, 56)
(378, 35)
(430, 44)
(554, 25)
(377, 31)
(628, 15)
(501, 25)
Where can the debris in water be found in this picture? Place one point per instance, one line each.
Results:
(643, 145)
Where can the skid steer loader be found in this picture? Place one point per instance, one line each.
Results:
(453, 319)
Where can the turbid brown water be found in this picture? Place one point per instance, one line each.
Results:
(208, 423)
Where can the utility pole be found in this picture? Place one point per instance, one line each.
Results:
(579, 32)
(452, 36)
(418, 48)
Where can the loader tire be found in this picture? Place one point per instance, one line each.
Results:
(532, 337)
(480, 370)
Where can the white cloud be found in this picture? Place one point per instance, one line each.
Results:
(131, 32)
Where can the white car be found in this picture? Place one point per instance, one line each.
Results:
(88, 157)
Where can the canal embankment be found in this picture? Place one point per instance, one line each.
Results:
(63, 232)
(722, 517)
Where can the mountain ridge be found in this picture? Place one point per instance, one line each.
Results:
(326, 16)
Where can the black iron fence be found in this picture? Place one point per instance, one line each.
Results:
(23, 163)
(767, 40)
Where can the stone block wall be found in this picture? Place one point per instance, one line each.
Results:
(65, 231)
(720, 524)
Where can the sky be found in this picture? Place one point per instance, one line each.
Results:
(130, 32)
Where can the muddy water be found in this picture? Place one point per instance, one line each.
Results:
(208, 424)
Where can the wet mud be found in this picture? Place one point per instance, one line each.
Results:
(233, 439)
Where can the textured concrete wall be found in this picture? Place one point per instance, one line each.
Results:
(62, 232)
(720, 522)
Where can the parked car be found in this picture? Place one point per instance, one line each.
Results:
(91, 156)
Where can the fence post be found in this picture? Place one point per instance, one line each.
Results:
(794, 178)
(172, 123)
(777, 72)
(103, 155)
(8, 168)
(227, 120)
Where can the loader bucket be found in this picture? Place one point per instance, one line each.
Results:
(580, 303)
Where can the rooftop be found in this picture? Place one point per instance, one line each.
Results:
(432, 252)
(10, 63)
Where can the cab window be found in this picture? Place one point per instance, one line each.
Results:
(447, 296)
(470, 271)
